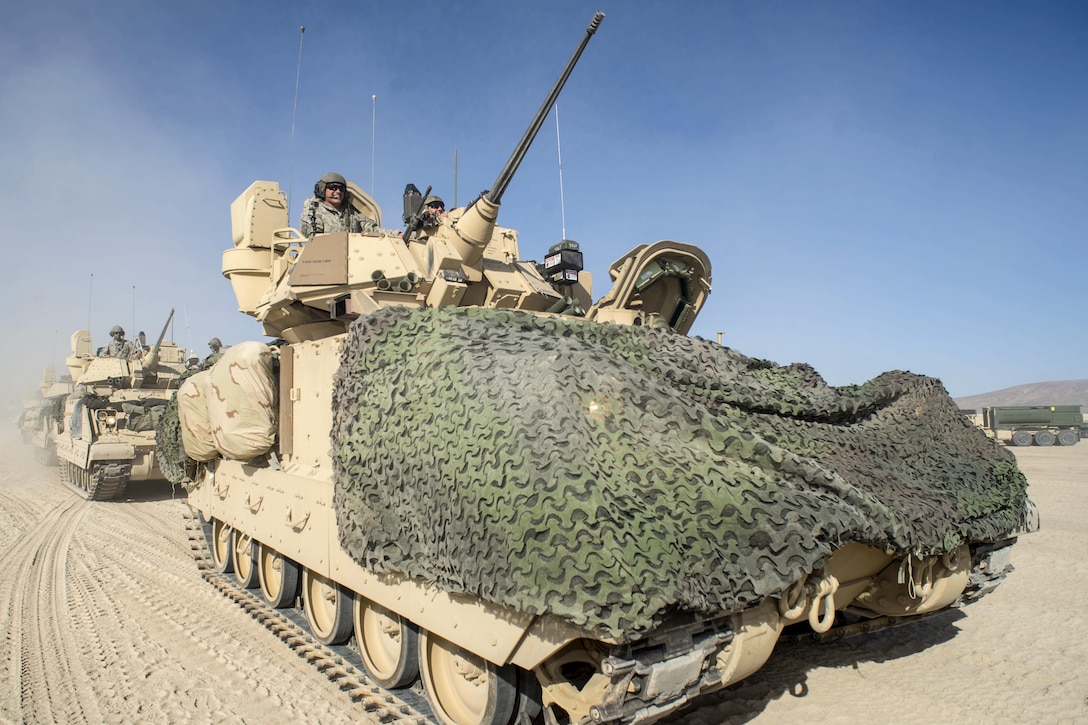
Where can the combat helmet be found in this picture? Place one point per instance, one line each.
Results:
(116, 329)
(330, 178)
(432, 199)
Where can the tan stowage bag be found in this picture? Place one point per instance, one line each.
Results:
(242, 401)
(196, 429)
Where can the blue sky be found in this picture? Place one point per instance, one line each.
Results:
(878, 185)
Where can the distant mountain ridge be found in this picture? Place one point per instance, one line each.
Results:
(1055, 392)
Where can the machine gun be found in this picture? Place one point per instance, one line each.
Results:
(413, 210)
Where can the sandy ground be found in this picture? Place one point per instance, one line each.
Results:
(105, 619)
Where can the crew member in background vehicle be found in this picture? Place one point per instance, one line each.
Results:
(428, 218)
(118, 346)
(330, 211)
(217, 348)
(433, 211)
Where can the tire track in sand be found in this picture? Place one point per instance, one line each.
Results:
(41, 670)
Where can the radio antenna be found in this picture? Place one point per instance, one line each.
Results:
(559, 151)
(373, 133)
(90, 301)
(294, 112)
(188, 330)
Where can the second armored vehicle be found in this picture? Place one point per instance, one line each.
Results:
(108, 435)
(46, 420)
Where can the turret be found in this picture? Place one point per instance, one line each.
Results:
(161, 365)
(305, 289)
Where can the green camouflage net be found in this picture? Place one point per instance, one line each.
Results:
(613, 475)
(174, 463)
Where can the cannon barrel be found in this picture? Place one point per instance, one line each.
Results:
(153, 357)
(507, 173)
(475, 227)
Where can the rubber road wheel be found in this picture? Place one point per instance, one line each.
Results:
(279, 577)
(328, 608)
(220, 544)
(464, 688)
(388, 643)
(243, 558)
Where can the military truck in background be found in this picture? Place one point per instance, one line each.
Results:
(107, 436)
(1042, 425)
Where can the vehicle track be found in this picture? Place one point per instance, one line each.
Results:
(340, 664)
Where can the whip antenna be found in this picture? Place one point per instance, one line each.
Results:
(373, 127)
(294, 112)
(188, 331)
(559, 151)
(90, 301)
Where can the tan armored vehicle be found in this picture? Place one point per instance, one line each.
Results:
(45, 419)
(107, 436)
(551, 508)
(29, 418)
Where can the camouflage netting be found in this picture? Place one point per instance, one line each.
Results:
(175, 465)
(219, 410)
(611, 475)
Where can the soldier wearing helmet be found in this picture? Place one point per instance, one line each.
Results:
(118, 345)
(330, 210)
(426, 217)
(217, 348)
(433, 211)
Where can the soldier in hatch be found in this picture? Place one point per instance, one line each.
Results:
(217, 348)
(330, 211)
(118, 346)
(433, 211)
